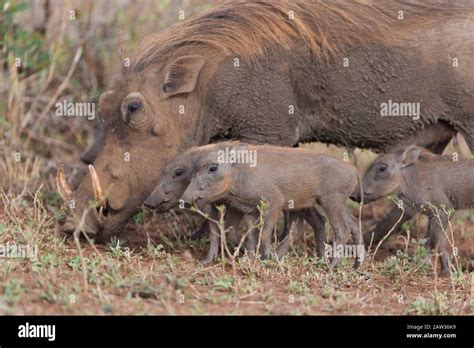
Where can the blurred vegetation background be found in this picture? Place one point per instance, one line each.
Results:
(54, 50)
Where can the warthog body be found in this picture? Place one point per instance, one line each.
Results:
(286, 178)
(175, 179)
(243, 70)
(430, 184)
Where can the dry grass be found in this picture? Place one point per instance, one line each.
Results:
(152, 267)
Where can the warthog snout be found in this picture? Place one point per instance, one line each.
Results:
(355, 196)
(93, 216)
(190, 199)
(161, 199)
(151, 203)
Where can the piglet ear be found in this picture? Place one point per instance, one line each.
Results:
(410, 155)
(181, 76)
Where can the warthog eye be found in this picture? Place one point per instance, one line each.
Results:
(382, 168)
(134, 106)
(213, 168)
(178, 172)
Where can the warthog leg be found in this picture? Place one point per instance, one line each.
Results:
(202, 231)
(437, 146)
(353, 226)
(214, 237)
(314, 219)
(318, 223)
(437, 241)
(387, 224)
(335, 210)
(269, 220)
(295, 219)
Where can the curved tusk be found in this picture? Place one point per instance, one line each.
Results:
(98, 193)
(64, 190)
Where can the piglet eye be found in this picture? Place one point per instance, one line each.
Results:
(134, 106)
(213, 168)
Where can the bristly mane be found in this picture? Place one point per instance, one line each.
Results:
(250, 28)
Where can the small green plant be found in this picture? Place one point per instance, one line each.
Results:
(178, 283)
(403, 264)
(471, 217)
(225, 283)
(297, 287)
(25, 48)
(116, 247)
(436, 306)
(12, 291)
(138, 218)
(154, 250)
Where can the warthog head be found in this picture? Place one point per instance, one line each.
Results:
(174, 180)
(211, 180)
(386, 174)
(144, 129)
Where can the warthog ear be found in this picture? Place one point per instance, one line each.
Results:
(410, 155)
(181, 75)
(107, 104)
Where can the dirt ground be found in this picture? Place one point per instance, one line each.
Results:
(153, 268)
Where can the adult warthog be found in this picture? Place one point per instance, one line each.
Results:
(358, 74)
